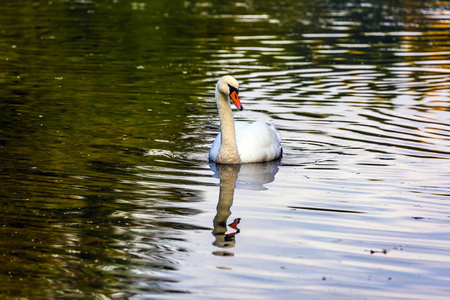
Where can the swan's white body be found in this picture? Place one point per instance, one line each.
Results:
(240, 142)
(256, 142)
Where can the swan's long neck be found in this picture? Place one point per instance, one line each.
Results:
(228, 152)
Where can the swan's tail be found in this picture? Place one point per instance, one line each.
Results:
(276, 131)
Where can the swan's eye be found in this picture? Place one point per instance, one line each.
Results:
(233, 89)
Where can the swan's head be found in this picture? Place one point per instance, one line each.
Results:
(229, 86)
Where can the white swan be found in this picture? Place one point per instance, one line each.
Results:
(240, 142)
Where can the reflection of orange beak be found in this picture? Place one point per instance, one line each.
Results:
(235, 97)
(235, 223)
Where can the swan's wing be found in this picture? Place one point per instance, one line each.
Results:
(214, 151)
(257, 142)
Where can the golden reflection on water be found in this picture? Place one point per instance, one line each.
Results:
(228, 175)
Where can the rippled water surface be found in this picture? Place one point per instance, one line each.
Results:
(107, 115)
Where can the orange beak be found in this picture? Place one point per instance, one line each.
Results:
(235, 97)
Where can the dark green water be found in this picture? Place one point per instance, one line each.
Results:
(107, 114)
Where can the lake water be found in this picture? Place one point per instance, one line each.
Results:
(108, 112)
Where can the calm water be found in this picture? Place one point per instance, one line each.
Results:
(107, 115)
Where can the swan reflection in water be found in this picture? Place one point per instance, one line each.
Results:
(246, 176)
